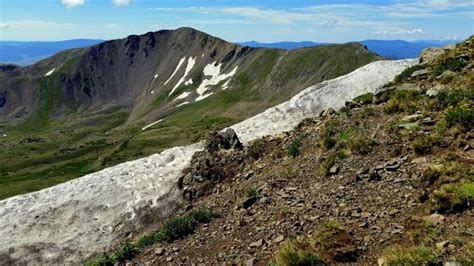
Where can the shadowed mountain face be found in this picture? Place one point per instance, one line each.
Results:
(93, 103)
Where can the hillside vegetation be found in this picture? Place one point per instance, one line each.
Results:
(85, 109)
(388, 179)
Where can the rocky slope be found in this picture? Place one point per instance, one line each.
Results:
(98, 211)
(387, 179)
(85, 109)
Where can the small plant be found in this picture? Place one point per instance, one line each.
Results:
(463, 116)
(364, 99)
(407, 73)
(415, 255)
(346, 110)
(449, 98)
(281, 213)
(451, 64)
(328, 159)
(257, 149)
(424, 144)
(297, 252)
(454, 197)
(289, 174)
(327, 134)
(251, 193)
(174, 229)
(367, 111)
(402, 101)
(294, 148)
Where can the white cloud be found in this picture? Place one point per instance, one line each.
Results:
(121, 2)
(400, 32)
(5, 25)
(73, 3)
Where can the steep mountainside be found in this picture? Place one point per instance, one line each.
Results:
(386, 180)
(120, 202)
(84, 109)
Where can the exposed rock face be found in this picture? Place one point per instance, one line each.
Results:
(221, 158)
(429, 55)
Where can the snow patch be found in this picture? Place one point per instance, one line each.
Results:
(154, 77)
(311, 101)
(181, 104)
(202, 97)
(69, 222)
(181, 61)
(214, 71)
(189, 67)
(189, 82)
(152, 124)
(152, 91)
(50, 72)
(182, 96)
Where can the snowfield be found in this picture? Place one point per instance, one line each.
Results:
(311, 101)
(70, 222)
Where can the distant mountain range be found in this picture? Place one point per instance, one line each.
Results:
(396, 49)
(27, 53)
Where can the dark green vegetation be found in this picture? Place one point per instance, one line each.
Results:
(174, 229)
(331, 243)
(81, 118)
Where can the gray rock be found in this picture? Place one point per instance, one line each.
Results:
(257, 243)
(279, 239)
(411, 118)
(432, 92)
(408, 126)
(159, 251)
(418, 73)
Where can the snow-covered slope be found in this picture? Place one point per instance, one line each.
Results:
(311, 101)
(69, 222)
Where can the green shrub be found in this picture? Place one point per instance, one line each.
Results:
(417, 255)
(449, 98)
(327, 134)
(361, 144)
(294, 148)
(251, 193)
(367, 111)
(364, 99)
(257, 149)
(402, 101)
(328, 159)
(424, 144)
(295, 253)
(346, 110)
(463, 116)
(452, 64)
(174, 229)
(454, 197)
(407, 73)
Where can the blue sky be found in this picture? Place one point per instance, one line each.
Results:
(265, 21)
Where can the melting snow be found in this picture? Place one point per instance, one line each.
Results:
(67, 223)
(152, 124)
(181, 104)
(176, 70)
(189, 82)
(156, 75)
(152, 91)
(189, 66)
(215, 77)
(202, 97)
(311, 101)
(50, 72)
(182, 96)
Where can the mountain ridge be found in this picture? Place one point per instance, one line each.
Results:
(86, 109)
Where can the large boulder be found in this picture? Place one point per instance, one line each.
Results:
(429, 55)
